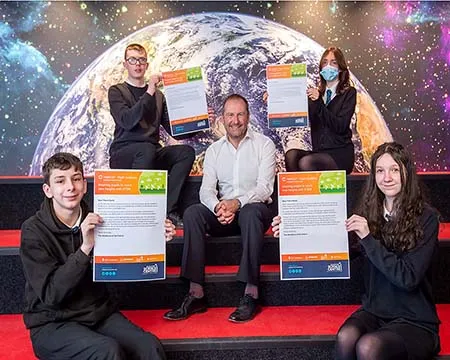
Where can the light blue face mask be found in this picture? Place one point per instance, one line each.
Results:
(329, 73)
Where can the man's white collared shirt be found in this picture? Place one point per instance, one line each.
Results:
(246, 173)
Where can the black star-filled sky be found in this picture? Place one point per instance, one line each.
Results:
(399, 51)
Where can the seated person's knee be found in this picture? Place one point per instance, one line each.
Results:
(108, 349)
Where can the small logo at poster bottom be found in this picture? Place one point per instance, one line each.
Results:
(295, 270)
(335, 267)
(150, 269)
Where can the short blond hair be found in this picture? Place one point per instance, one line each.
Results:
(137, 47)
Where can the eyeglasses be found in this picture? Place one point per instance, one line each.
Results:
(240, 115)
(134, 61)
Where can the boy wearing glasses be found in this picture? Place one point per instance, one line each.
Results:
(238, 179)
(139, 109)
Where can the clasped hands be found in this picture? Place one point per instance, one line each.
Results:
(226, 210)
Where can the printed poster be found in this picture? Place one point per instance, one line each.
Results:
(130, 245)
(287, 104)
(186, 100)
(313, 238)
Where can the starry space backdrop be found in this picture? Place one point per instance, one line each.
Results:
(399, 51)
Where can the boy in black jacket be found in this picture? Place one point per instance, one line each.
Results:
(138, 110)
(70, 316)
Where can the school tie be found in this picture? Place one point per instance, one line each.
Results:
(329, 92)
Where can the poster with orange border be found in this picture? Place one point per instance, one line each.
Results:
(313, 238)
(130, 244)
(287, 103)
(186, 100)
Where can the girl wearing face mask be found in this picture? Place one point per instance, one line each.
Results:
(331, 107)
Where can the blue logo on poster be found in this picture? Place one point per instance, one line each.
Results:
(109, 273)
(295, 271)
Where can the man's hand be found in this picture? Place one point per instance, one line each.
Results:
(226, 218)
(226, 210)
(169, 230)
(222, 214)
(87, 231)
(276, 221)
(358, 224)
(218, 207)
(232, 205)
(153, 82)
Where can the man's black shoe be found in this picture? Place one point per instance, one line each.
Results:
(176, 219)
(189, 306)
(246, 311)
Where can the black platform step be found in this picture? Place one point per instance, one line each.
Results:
(279, 348)
(222, 289)
(260, 348)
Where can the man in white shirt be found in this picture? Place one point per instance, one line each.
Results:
(238, 179)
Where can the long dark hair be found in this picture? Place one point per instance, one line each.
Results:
(403, 231)
(344, 74)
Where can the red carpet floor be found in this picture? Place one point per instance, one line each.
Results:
(273, 321)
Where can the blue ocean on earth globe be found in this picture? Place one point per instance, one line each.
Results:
(233, 51)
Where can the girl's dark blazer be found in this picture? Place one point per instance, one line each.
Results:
(330, 125)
